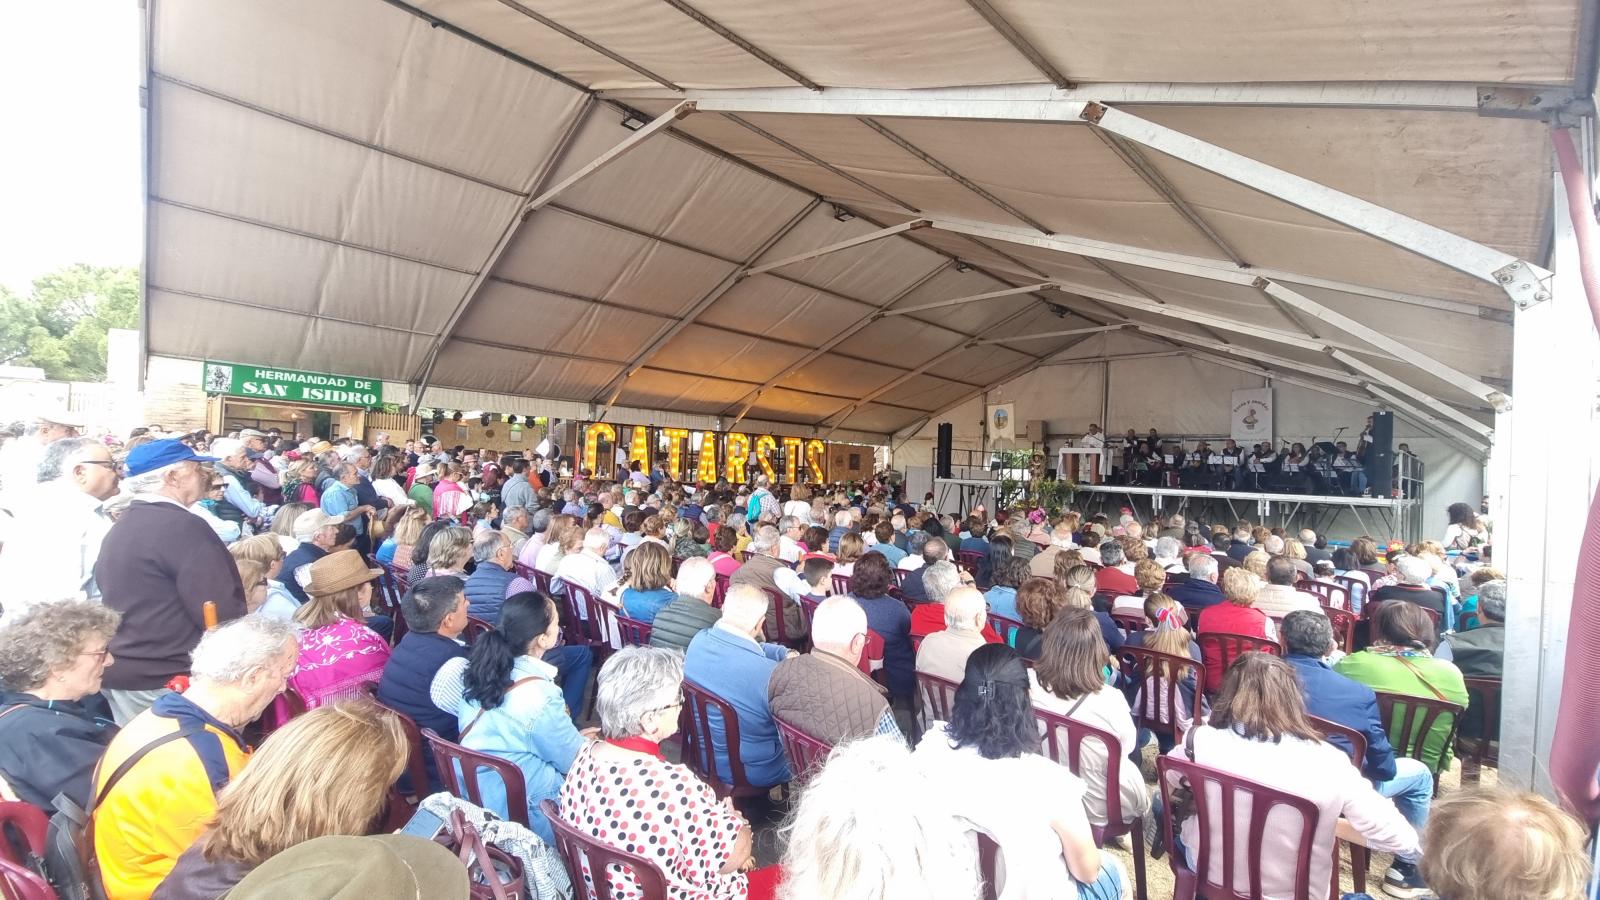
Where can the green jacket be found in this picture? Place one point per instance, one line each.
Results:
(423, 494)
(1410, 674)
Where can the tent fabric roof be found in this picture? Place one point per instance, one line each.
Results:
(346, 187)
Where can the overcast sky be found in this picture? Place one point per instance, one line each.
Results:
(69, 137)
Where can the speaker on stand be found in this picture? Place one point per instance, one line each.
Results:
(941, 457)
(1380, 456)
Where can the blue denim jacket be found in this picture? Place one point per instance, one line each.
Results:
(530, 728)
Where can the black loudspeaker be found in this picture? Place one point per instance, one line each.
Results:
(941, 454)
(1380, 456)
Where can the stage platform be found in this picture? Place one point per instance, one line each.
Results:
(1389, 518)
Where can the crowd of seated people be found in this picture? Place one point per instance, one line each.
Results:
(199, 811)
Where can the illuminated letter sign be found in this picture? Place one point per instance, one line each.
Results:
(791, 459)
(708, 458)
(640, 451)
(591, 444)
(737, 450)
(816, 456)
(675, 439)
(765, 447)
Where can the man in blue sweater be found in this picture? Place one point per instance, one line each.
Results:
(1343, 701)
(436, 614)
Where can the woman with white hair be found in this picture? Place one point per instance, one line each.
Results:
(871, 826)
(622, 788)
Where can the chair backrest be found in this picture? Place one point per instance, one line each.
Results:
(633, 632)
(805, 752)
(580, 604)
(544, 582)
(1131, 623)
(1370, 613)
(899, 577)
(1005, 627)
(1232, 646)
(402, 802)
(1334, 595)
(1063, 742)
(1158, 678)
(699, 744)
(1355, 588)
(841, 584)
(1483, 714)
(1356, 739)
(721, 591)
(475, 627)
(1223, 818)
(458, 772)
(775, 605)
(524, 570)
(25, 821)
(745, 555)
(1344, 627)
(578, 849)
(21, 883)
(808, 606)
(1411, 721)
(971, 560)
(938, 695)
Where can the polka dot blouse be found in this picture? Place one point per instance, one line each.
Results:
(658, 810)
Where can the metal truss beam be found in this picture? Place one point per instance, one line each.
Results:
(975, 298)
(1452, 96)
(1020, 43)
(666, 332)
(1052, 334)
(1372, 374)
(748, 400)
(728, 35)
(1249, 354)
(1427, 420)
(1135, 160)
(568, 33)
(846, 244)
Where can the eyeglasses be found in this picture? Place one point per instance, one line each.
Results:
(676, 704)
(99, 655)
(110, 464)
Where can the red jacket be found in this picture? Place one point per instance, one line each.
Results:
(1113, 580)
(926, 618)
(1228, 618)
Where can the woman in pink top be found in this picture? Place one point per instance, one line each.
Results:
(450, 500)
(1258, 731)
(722, 558)
(338, 652)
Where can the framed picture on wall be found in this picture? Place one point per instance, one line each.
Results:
(516, 435)
(461, 433)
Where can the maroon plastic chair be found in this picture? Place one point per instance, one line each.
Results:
(1157, 710)
(1130, 623)
(775, 609)
(21, 883)
(971, 560)
(458, 772)
(989, 865)
(582, 851)
(841, 584)
(938, 697)
(1060, 730)
(1479, 736)
(1411, 720)
(1359, 861)
(1229, 648)
(1227, 810)
(1355, 589)
(1005, 627)
(1334, 595)
(475, 627)
(633, 632)
(544, 582)
(25, 821)
(805, 752)
(589, 626)
(403, 803)
(1344, 627)
(899, 577)
(721, 591)
(699, 742)
(808, 607)
(525, 571)
(745, 555)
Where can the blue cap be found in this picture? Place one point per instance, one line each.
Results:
(155, 454)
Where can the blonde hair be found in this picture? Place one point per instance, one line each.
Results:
(1173, 637)
(262, 548)
(1240, 586)
(325, 609)
(851, 546)
(326, 772)
(1293, 549)
(447, 545)
(647, 567)
(1149, 575)
(1077, 583)
(1255, 562)
(1497, 844)
(410, 526)
(251, 573)
(556, 534)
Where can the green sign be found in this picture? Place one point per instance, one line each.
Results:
(266, 383)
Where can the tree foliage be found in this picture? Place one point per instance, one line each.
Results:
(61, 325)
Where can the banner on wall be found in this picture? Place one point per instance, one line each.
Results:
(1252, 416)
(735, 456)
(1002, 422)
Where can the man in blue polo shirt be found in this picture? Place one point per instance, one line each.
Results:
(726, 660)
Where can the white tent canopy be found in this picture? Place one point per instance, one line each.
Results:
(452, 196)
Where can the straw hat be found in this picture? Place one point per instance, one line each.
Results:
(339, 571)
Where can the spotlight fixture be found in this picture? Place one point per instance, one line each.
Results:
(485, 419)
(633, 120)
(1060, 311)
(438, 416)
(511, 420)
(842, 214)
(455, 416)
(963, 266)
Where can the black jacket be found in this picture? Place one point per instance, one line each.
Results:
(50, 747)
